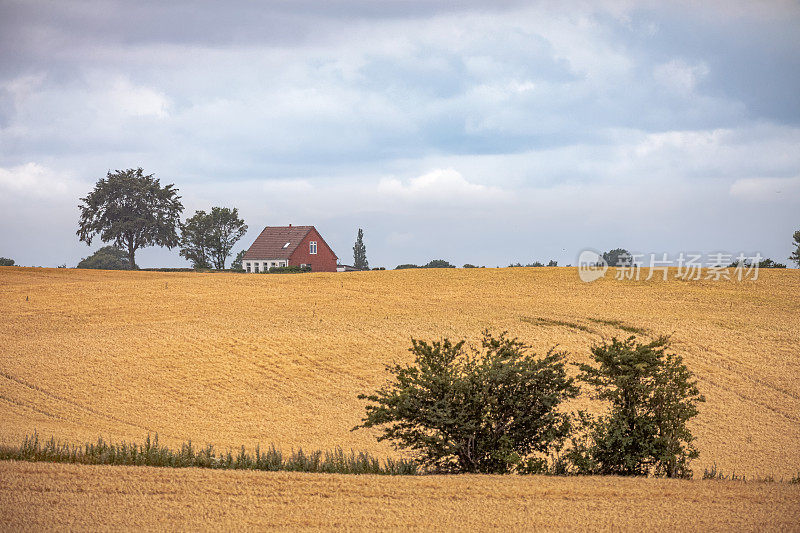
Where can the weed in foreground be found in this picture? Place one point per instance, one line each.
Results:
(151, 453)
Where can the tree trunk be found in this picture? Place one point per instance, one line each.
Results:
(131, 258)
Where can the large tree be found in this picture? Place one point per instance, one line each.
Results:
(617, 257)
(226, 229)
(132, 210)
(796, 253)
(236, 264)
(196, 240)
(208, 238)
(360, 252)
(488, 411)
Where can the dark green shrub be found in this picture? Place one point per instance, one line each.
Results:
(551, 263)
(236, 264)
(795, 255)
(292, 269)
(764, 263)
(652, 396)
(107, 258)
(406, 266)
(617, 257)
(6, 262)
(438, 263)
(492, 410)
(170, 269)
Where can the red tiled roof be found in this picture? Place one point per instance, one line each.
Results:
(271, 243)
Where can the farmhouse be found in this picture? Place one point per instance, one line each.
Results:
(280, 246)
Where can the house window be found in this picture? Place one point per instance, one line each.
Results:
(312, 247)
(247, 266)
(255, 267)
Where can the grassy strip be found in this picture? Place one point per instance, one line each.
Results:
(151, 453)
(620, 325)
(717, 473)
(550, 322)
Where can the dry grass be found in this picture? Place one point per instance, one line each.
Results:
(237, 359)
(40, 496)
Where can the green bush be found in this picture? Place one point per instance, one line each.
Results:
(292, 269)
(6, 262)
(551, 263)
(618, 257)
(438, 263)
(493, 410)
(795, 256)
(652, 396)
(107, 258)
(764, 263)
(236, 264)
(177, 269)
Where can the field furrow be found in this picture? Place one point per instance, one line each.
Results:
(235, 360)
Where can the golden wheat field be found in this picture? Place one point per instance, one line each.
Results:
(37, 496)
(237, 360)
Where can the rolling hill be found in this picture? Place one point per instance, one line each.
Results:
(237, 360)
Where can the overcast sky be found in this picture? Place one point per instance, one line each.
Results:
(481, 132)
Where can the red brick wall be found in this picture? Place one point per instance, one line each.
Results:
(323, 261)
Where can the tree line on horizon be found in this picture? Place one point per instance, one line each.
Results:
(132, 210)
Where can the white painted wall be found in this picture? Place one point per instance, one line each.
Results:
(261, 265)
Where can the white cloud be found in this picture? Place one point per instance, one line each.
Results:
(749, 151)
(20, 88)
(443, 184)
(680, 77)
(136, 101)
(548, 112)
(37, 181)
(291, 186)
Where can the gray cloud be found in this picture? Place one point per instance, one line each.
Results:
(435, 125)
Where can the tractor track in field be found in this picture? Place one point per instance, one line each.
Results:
(73, 403)
(28, 405)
